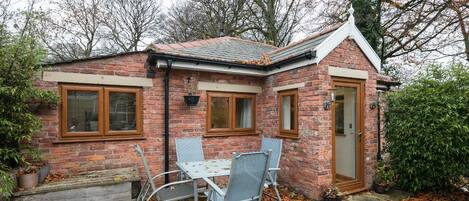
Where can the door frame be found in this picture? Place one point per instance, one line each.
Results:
(359, 182)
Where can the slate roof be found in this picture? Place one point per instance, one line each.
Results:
(226, 48)
(232, 49)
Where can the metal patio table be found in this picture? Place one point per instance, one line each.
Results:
(205, 169)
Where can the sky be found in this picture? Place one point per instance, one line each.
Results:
(165, 5)
(18, 4)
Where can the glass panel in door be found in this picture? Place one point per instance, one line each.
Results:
(346, 135)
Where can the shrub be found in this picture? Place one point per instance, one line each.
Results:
(427, 129)
(384, 174)
(19, 60)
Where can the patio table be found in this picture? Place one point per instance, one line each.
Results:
(205, 169)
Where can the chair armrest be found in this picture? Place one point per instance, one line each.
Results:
(165, 173)
(173, 183)
(168, 185)
(270, 176)
(214, 187)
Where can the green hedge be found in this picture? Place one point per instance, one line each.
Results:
(427, 129)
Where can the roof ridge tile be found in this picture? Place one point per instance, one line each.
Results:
(187, 44)
(251, 41)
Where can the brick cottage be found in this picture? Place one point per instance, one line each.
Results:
(316, 94)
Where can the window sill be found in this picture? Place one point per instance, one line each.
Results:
(229, 134)
(65, 141)
(289, 136)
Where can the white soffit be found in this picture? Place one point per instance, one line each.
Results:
(212, 68)
(348, 73)
(81, 78)
(291, 66)
(234, 70)
(215, 86)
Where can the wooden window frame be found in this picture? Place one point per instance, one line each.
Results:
(138, 112)
(104, 132)
(64, 112)
(232, 130)
(282, 132)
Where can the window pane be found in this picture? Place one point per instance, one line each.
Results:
(220, 112)
(82, 111)
(243, 112)
(122, 111)
(288, 112)
(339, 115)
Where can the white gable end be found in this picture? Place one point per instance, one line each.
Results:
(347, 30)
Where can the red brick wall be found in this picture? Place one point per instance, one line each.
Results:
(185, 121)
(306, 162)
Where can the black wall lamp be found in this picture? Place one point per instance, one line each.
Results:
(375, 104)
(151, 65)
(191, 99)
(329, 99)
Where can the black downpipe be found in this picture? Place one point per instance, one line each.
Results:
(378, 155)
(381, 56)
(166, 119)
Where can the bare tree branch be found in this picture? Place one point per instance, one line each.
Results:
(75, 31)
(275, 21)
(198, 19)
(128, 22)
(462, 12)
(411, 25)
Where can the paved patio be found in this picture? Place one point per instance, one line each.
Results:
(394, 195)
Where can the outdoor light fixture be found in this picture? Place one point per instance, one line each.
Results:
(375, 104)
(150, 65)
(191, 99)
(328, 103)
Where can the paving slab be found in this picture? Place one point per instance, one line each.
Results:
(393, 195)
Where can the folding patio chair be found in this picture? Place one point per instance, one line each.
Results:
(247, 177)
(189, 149)
(173, 191)
(275, 145)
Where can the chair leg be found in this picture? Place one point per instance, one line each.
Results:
(276, 192)
(209, 195)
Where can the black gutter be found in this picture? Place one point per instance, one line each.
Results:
(166, 119)
(310, 54)
(51, 63)
(305, 55)
(157, 55)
